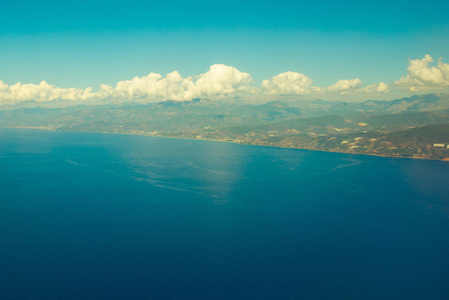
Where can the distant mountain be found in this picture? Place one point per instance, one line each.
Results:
(314, 124)
(428, 102)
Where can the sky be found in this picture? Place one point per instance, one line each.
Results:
(346, 50)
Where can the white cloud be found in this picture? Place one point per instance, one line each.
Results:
(288, 83)
(344, 85)
(42, 92)
(422, 77)
(152, 85)
(292, 83)
(220, 80)
(376, 88)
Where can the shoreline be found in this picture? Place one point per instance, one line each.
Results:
(211, 140)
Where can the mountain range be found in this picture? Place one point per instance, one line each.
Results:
(416, 126)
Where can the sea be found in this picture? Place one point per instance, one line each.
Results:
(102, 216)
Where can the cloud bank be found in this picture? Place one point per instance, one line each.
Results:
(42, 92)
(225, 81)
(422, 77)
(292, 83)
(220, 80)
(288, 83)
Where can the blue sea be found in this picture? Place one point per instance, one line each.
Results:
(97, 216)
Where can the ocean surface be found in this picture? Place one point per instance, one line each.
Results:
(97, 216)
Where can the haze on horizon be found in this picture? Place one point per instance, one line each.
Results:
(101, 51)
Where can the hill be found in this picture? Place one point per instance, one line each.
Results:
(403, 127)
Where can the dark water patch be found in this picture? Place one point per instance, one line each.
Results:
(92, 216)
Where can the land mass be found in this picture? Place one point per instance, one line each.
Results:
(415, 127)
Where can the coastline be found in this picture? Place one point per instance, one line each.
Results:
(228, 141)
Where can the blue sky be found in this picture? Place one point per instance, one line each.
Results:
(86, 43)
